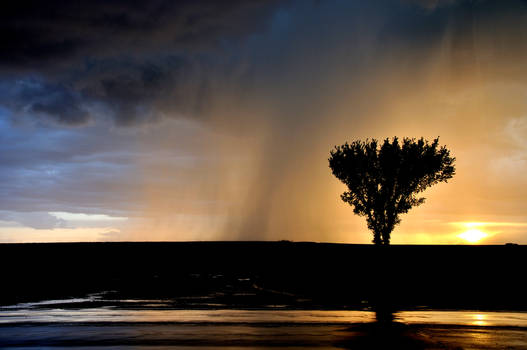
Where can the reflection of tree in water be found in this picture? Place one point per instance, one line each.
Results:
(384, 315)
(385, 332)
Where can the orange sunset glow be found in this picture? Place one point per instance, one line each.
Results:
(473, 235)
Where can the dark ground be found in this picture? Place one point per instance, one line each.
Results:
(267, 274)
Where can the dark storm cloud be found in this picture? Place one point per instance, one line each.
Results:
(138, 61)
(133, 60)
(53, 101)
(138, 90)
(53, 32)
(419, 25)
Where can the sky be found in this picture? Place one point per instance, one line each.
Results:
(213, 120)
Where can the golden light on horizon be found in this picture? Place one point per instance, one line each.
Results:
(473, 235)
(473, 231)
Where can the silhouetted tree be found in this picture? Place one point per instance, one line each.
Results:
(384, 181)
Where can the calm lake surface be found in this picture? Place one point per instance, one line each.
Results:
(110, 314)
(150, 324)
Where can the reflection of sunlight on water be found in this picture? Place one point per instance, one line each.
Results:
(115, 314)
(469, 318)
(483, 337)
(184, 316)
(479, 320)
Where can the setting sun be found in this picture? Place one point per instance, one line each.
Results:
(473, 235)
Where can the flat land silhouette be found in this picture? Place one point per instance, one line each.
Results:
(258, 274)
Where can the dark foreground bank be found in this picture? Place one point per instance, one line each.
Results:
(270, 274)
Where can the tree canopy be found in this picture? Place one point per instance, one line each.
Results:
(385, 181)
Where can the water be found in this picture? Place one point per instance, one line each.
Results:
(148, 311)
(114, 315)
(150, 324)
(464, 318)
